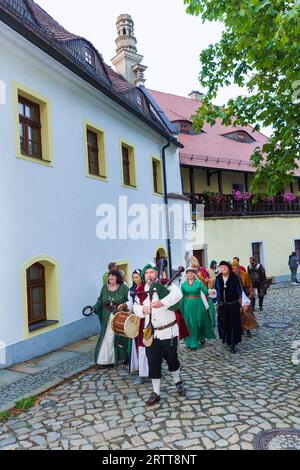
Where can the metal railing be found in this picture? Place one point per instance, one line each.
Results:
(224, 205)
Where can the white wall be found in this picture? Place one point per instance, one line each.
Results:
(53, 210)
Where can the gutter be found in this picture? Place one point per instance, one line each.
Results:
(163, 154)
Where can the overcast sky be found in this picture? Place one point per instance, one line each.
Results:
(169, 39)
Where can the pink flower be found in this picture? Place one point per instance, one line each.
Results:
(289, 197)
(237, 195)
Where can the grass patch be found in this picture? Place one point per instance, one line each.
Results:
(25, 404)
(4, 415)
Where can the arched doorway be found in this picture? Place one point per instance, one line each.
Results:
(161, 254)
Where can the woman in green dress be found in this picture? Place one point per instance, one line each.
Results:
(111, 348)
(197, 309)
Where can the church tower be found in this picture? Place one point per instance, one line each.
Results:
(127, 61)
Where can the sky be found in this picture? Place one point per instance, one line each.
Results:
(169, 39)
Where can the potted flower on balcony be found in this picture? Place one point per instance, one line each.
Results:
(237, 195)
(208, 196)
(289, 197)
(218, 198)
(247, 196)
(261, 197)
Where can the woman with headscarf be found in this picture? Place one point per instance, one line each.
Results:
(229, 294)
(198, 310)
(111, 349)
(202, 273)
(212, 273)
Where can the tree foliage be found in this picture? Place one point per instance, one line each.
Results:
(260, 50)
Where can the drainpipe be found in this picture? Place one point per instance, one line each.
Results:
(167, 205)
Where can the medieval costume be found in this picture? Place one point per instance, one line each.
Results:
(202, 273)
(198, 311)
(258, 278)
(110, 348)
(166, 324)
(138, 361)
(213, 272)
(248, 320)
(229, 294)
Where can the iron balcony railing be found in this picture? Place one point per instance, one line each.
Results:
(224, 205)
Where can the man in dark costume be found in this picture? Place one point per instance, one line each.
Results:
(229, 294)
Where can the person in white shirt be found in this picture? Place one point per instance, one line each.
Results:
(166, 332)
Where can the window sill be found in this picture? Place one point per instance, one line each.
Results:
(42, 324)
(99, 178)
(35, 160)
(129, 186)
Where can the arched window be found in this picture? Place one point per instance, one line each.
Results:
(240, 136)
(40, 295)
(124, 31)
(185, 127)
(36, 293)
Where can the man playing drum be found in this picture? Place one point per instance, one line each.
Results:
(165, 331)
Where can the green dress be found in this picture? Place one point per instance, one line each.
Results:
(120, 344)
(201, 322)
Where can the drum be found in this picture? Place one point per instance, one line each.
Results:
(126, 324)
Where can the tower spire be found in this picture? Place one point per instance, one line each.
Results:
(127, 61)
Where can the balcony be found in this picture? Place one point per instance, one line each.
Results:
(225, 205)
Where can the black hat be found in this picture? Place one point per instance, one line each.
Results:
(226, 263)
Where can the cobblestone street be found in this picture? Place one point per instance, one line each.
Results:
(231, 401)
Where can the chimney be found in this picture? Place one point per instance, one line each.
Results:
(196, 95)
(127, 61)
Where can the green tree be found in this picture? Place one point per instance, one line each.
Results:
(260, 50)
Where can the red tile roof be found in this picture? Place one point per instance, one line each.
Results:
(119, 82)
(49, 23)
(211, 148)
(36, 20)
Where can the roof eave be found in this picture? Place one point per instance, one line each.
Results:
(63, 59)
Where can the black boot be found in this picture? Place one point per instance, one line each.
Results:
(181, 389)
(153, 399)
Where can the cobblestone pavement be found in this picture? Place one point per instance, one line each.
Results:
(232, 399)
(37, 375)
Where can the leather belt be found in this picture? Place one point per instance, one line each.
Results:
(166, 326)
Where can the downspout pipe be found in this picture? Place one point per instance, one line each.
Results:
(167, 206)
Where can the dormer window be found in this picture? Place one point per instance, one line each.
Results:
(185, 127)
(90, 57)
(240, 136)
(139, 100)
